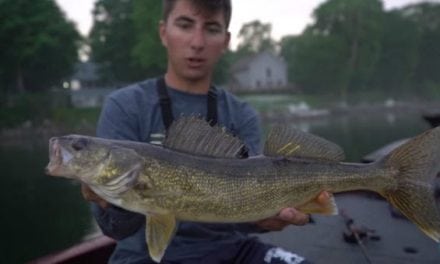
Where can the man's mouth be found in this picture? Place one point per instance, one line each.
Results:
(195, 62)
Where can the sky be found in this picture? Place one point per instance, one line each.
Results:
(288, 17)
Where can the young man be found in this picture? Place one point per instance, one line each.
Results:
(194, 33)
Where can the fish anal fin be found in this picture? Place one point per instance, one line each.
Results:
(160, 229)
(316, 207)
(288, 142)
(194, 135)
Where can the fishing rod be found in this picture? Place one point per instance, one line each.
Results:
(356, 235)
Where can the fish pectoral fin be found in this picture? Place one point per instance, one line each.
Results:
(284, 141)
(315, 207)
(160, 229)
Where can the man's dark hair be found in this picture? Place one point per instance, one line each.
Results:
(208, 6)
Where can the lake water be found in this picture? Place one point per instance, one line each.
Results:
(41, 214)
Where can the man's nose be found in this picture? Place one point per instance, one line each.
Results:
(198, 40)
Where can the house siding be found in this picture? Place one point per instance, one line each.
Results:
(264, 72)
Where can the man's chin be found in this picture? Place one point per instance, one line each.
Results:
(195, 75)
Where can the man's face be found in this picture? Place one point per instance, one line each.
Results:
(194, 41)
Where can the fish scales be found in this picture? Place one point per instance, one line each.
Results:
(223, 190)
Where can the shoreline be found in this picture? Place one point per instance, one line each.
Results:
(28, 132)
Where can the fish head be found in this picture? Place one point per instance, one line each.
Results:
(91, 160)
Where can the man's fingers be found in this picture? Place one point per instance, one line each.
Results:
(272, 224)
(86, 192)
(102, 203)
(294, 216)
(91, 196)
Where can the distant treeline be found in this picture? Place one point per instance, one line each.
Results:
(352, 46)
(356, 46)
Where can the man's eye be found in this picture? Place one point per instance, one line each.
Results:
(184, 25)
(214, 29)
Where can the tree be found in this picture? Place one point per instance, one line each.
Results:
(314, 62)
(112, 39)
(38, 46)
(399, 56)
(125, 41)
(426, 16)
(148, 51)
(255, 37)
(288, 46)
(358, 25)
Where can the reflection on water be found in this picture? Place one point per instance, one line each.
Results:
(360, 135)
(42, 214)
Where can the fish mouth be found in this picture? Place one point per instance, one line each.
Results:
(58, 157)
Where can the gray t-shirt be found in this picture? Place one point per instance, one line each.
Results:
(134, 113)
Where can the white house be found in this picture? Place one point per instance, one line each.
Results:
(86, 89)
(262, 72)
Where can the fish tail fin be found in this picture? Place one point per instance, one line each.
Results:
(418, 164)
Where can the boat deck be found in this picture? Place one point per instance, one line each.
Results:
(397, 240)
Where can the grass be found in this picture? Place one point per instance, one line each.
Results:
(37, 109)
(74, 117)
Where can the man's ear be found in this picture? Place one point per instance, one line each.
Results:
(162, 33)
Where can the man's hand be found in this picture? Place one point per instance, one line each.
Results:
(91, 196)
(290, 216)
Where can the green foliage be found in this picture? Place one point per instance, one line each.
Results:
(25, 107)
(38, 46)
(357, 26)
(148, 51)
(112, 39)
(221, 71)
(75, 117)
(354, 46)
(316, 62)
(255, 37)
(399, 56)
(426, 16)
(125, 41)
(36, 109)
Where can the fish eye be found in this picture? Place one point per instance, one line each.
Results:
(80, 144)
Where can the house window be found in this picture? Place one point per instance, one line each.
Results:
(268, 73)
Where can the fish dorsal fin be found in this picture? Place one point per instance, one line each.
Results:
(289, 142)
(194, 135)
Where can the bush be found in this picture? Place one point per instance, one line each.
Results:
(35, 108)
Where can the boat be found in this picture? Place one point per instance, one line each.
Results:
(96, 250)
(433, 118)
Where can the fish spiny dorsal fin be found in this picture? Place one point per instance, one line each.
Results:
(289, 142)
(194, 135)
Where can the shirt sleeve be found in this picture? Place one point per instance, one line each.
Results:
(249, 129)
(116, 123)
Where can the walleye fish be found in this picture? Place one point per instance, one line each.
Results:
(196, 176)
